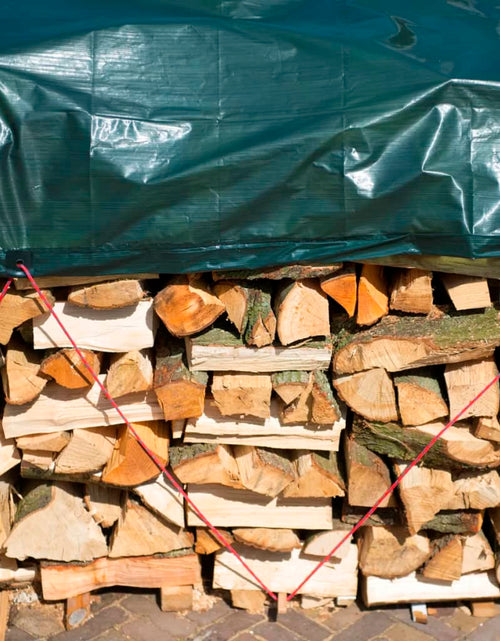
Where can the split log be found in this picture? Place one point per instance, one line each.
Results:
(494, 520)
(391, 552)
(475, 491)
(252, 601)
(58, 408)
(318, 474)
(370, 394)
(111, 295)
(6, 511)
(467, 292)
(464, 381)
(273, 540)
(180, 392)
(373, 299)
(302, 312)
(18, 308)
(129, 463)
(88, 451)
(420, 398)
(412, 291)
(113, 330)
(292, 272)
(236, 297)
(324, 408)
(221, 351)
(9, 454)
(487, 427)
(445, 564)
(103, 503)
(300, 409)
(139, 532)
(242, 394)
(40, 460)
(65, 531)
(208, 543)
(129, 373)
(342, 287)
(20, 376)
(263, 470)
(54, 442)
(322, 543)
(368, 477)
(177, 429)
(187, 306)
(478, 555)
(205, 463)
(290, 385)
(67, 369)
(411, 342)
(45, 282)
(161, 497)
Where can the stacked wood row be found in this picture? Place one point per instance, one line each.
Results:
(285, 402)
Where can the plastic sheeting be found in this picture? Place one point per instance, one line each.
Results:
(187, 135)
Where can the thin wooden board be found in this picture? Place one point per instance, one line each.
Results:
(58, 408)
(228, 507)
(213, 427)
(46, 282)
(110, 330)
(283, 572)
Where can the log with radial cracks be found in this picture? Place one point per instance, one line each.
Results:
(112, 295)
(130, 372)
(301, 309)
(67, 369)
(370, 394)
(420, 399)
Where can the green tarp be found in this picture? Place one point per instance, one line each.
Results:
(172, 136)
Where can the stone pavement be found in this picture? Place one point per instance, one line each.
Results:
(130, 615)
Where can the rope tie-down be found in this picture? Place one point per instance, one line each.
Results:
(184, 494)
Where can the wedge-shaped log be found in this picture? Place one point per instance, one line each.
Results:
(9, 454)
(420, 398)
(242, 394)
(465, 381)
(41, 461)
(65, 531)
(54, 442)
(112, 330)
(293, 272)
(208, 543)
(412, 291)
(370, 394)
(103, 503)
(324, 407)
(322, 543)
(477, 554)
(67, 369)
(21, 378)
(129, 373)
(88, 450)
(205, 463)
(411, 342)
(368, 476)
(318, 474)
(17, 308)
(342, 287)
(264, 470)
(302, 311)
(112, 295)
(290, 385)
(187, 306)
(467, 292)
(373, 299)
(6, 514)
(487, 427)
(161, 497)
(273, 540)
(475, 491)
(445, 564)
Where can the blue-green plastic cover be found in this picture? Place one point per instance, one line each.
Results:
(182, 135)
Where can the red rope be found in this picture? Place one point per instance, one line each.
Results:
(5, 289)
(153, 456)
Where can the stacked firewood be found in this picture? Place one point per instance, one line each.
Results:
(285, 402)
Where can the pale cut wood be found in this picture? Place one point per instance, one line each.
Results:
(445, 563)
(113, 330)
(478, 555)
(420, 399)
(39, 459)
(373, 299)
(242, 394)
(57, 408)
(4, 613)
(20, 376)
(251, 600)
(176, 598)
(139, 532)
(54, 442)
(129, 373)
(187, 306)
(12, 575)
(228, 507)
(263, 470)
(487, 427)
(65, 531)
(368, 476)
(235, 297)
(467, 292)
(273, 540)
(290, 385)
(318, 474)
(9, 454)
(485, 609)
(324, 408)
(205, 463)
(465, 381)
(63, 581)
(220, 351)
(370, 394)
(129, 463)
(212, 427)
(301, 310)
(412, 291)
(68, 370)
(477, 492)
(208, 543)
(282, 573)
(103, 503)
(87, 451)
(70, 281)
(308, 602)
(300, 409)
(412, 588)
(161, 497)
(379, 544)
(17, 308)
(112, 295)
(177, 429)
(322, 543)
(5, 511)
(343, 288)
(293, 272)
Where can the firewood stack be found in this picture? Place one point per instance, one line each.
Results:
(286, 402)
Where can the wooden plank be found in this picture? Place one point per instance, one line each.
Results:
(70, 281)
(174, 598)
(4, 613)
(77, 611)
(225, 507)
(112, 330)
(61, 581)
(283, 572)
(58, 408)
(212, 426)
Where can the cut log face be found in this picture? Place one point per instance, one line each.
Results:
(205, 463)
(408, 343)
(412, 291)
(54, 442)
(420, 399)
(324, 409)
(391, 552)
(293, 272)
(464, 382)
(300, 409)
(478, 555)
(477, 491)
(290, 385)
(161, 497)
(322, 543)
(445, 563)
(302, 312)
(235, 297)
(103, 503)
(88, 451)
(67, 369)
(260, 326)
(187, 306)
(129, 373)
(318, 475)
(5, 517)
(9, 454)
(467, 292)
(487, 427)
(342, 288)
(242, 394)
(370, 394)
(112, 295)
(20, 376)
(17, 308)
(368, 477)
(263, 470)
(273, 540)
(65, 531)
(206, 541)
(373, 300)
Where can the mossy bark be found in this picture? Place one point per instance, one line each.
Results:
(294, 272)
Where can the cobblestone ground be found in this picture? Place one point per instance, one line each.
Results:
(129, 615)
